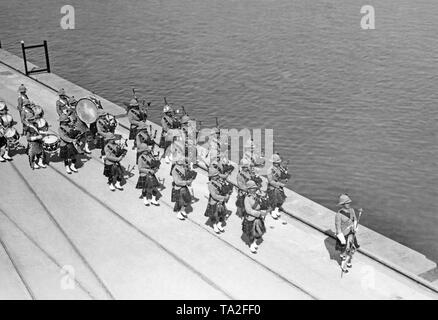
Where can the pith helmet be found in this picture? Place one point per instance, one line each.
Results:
(167, 108)
(41, 123)
(244, 163)
(61, 92)
(180, 159)
(275, 158)
(344, 199)
(133, 103)
(37, 110)
(251, 185)
(185, 119)
(22, 89)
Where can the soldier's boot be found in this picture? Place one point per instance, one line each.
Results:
(41, 163)
(146, 201)
(154, 201)
(180, 216)
(118, 186)
(2, 160)
(167, 159)
(216, 228)
(219, 226)
(184, 213)
(253, 247)
(111, 187)
(67, 169)
(35, 164)
(274, 214)
(73, 167)
(6, 156)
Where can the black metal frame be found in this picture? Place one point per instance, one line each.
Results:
(46, 52)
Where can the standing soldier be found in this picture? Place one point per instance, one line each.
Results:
(112, 168)
(275, 186)
(216, 211)
(6, 121)
(35, 150)
(243, 177)
(346, 225)
(167, 124)
(63, 105)
(67, 150)
(253, 225)
(26, 114)
(180, 192)
(147, 181)
(137, 116)
(22, 97)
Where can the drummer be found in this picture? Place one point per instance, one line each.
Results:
(167, 124)
(104, 129)
(144, 142)
(26, 114)
(137, 116)
(35, 150)
(68, 151)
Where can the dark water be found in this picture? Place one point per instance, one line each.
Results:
(352, 110)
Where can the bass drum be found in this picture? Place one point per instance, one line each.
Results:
(86, 110)
(51, 143)
(12, 137)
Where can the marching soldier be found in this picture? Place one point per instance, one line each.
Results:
(6, 121)
(144, 142)
(137, 116)
(63, 105)
(243, 177)
(167, 124)
(35, 150)
(26, 114)
(275, 186)
(112, 168)
(67, 150)
(346, 225)
(253, 225)
(216, 211)
(180, 192)
(22, 97)
(224, 168)
(81, 127)
(147, 181)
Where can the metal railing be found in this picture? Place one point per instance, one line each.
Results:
(46, 52)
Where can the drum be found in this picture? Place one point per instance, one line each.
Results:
(86, 110)
(51, 143)
(12, 137)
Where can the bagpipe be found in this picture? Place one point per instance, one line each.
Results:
(121, 148)
(262, 199)
(225, 187)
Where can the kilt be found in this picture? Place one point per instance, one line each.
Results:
(253, 229)
(350, 237)
(68, 151)
(182, 196)
(132, 133)
(276, 197)
(216, 212)
(240, 201)
(3, 142)
(164, 143)
(148, 181)
(93, 128)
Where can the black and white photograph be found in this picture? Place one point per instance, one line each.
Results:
(219, 154)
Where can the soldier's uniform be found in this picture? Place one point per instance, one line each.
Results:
(112, 168)
(22, 97)
(26, 114)
(216, 211)
(180, 192)
(346, 227)
(137, 117)
(147, 181)
(275, 187)
(253, 225)
(6, 121)
(35, 147)
(67, 150)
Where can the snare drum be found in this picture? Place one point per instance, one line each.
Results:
(12, 137)
(51, 143)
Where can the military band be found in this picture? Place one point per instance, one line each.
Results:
(256, 198)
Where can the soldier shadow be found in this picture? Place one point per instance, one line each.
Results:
(330, 245)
